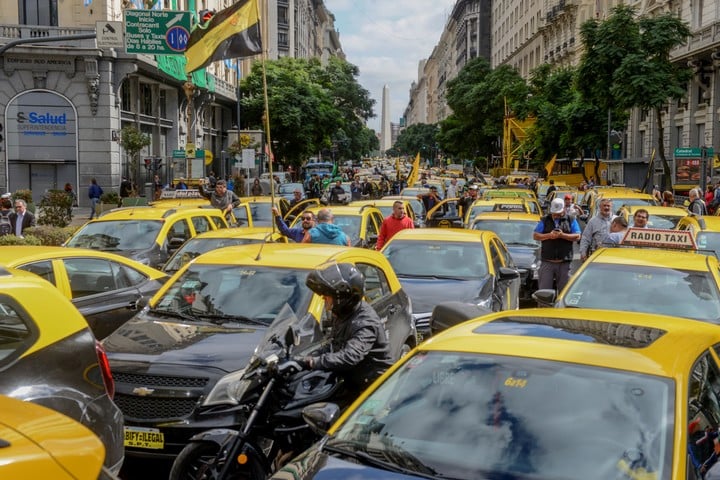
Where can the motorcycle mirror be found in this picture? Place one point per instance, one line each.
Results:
(291, 338)
(320, 416)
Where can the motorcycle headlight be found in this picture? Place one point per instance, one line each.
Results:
(228, 390)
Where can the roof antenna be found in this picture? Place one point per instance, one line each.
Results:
(265, 240)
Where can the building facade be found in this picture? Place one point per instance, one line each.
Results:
(65, 100)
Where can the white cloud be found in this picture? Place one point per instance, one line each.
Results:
(386, 40)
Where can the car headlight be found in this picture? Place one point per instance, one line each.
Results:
(228, 390)
(535, 268)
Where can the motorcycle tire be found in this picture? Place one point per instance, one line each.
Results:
(197, 462)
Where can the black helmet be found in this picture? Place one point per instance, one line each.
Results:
(341, 281)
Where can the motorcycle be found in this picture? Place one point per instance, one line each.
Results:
(272, 391)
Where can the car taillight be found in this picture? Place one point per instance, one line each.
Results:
(105, 369)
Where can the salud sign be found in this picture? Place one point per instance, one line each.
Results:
(156, 32)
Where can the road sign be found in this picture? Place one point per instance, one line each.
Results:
(178, 154)
(109, 34)
(157, 32)
(190, 150)
(693, 152)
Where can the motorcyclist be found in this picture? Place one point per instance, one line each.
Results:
(359, 348)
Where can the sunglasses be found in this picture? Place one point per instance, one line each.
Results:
(306, 218)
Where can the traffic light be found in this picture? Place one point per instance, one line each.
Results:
(204, 16)
(148, 162)
(157, 163)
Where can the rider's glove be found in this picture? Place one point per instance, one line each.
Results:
(291, 366)
(307, 362)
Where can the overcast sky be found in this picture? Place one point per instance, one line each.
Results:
(386, 40)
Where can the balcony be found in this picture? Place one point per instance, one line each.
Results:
(703, 39)
(9, 33)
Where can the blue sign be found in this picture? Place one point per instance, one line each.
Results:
(177, 38)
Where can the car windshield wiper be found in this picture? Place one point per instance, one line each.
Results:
(523, 244)
(368, 459)
(223, 318)
(173, 313)
(433, 277)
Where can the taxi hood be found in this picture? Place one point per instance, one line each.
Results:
(426, 292)
(152, 340)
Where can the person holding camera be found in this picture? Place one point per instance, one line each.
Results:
(557, 232)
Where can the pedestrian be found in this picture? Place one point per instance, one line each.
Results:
(325, 231)
(573, 210)
(126, 189)
(697, 206)
(396, 221)
(221, 197)
(297, 197)
(356, 190)
(94, 193)
(550, 189)
(212, 181)
(256, 190)
(430, 198)
(657, 194)
(230, 182)
(668, 199)
(452, 192)
(557, 234)
(596, 229)
(307, 221)
(336, 194)
(640, 218)
(618, 229)
(465, 203)
(181, 185)
(21, 219)
(72, 196)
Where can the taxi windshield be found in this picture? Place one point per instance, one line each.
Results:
(197, 246)
(708, 241)
(659, 221)
(233, 292)
(433, 259)
(350, 224)
(512, 233)
(619, 203)
(483, 416)
(637, 288)
(117, 235)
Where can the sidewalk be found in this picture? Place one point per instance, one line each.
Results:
(80, 216)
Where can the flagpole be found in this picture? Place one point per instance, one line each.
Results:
(266, 114)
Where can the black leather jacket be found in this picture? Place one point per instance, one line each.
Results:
(359, 347)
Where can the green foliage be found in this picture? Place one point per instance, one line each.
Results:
(48, 235)
(133, 141)
(112, 198)
(13, 240)
(419, 137)
(312, 108)
(56, 209)
(23, 195)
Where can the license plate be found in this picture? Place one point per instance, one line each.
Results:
(139, 437)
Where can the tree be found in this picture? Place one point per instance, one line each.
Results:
(418, 137)
(626, 64)
(132, 141)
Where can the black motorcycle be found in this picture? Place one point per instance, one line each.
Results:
(273, 392)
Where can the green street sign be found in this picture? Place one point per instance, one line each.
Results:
(156, 32)
(178, 154)
(693, 152)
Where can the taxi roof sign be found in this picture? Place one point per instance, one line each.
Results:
(510, 207)
(175, 194)
(660, 238)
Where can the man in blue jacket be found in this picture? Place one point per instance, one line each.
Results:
(325, 231)
(295, 233)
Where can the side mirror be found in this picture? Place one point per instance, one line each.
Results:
(545, 297)
(506, 274)
(175, 243)
(449, 314)
(291, 338)
(320, 416)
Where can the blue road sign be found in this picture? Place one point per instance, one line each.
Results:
(177, 38)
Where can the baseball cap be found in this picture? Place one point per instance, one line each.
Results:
(473, 187)
(557, 206)
(568, 196)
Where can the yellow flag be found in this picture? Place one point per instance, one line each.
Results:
(549, 166)
(414, 172)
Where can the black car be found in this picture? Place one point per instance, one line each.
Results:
(177, 363)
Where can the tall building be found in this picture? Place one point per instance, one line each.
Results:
(385, 129)
(64, 100)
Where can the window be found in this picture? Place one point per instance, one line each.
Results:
(179, 229)
(218, 221)
(16, 332)
(89, 276)
(495, 257)
(126, 97)
(376, 284)
(39, 12)
(42, 269)
(201, 224)
(126, 277)
(146, 99)
(703, 408)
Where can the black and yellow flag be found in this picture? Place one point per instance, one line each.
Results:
(231, 33)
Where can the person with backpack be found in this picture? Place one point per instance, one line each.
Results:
(697, 206)
(5, 211)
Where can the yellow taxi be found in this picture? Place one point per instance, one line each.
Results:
(621, 197)
(256, 211)
(361, 224)
(214, 239)
(105, 287)
(518, 192)
(417, 206)
(49, 356)
(41, 443)
(706, 230)
(385, 205)
(146, 234)
(515, 229)
(185, 351)
(653, 271)
(536, 393)
(505, 205)
(437, 265)
(180, 198)
(660, 217)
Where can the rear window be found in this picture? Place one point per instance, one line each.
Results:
(117, 235)
(17, 332)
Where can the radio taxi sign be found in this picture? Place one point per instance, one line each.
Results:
(156, 32)
(656, 237)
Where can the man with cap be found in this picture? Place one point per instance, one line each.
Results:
(466, 202)
(571, 209)
(557, 234)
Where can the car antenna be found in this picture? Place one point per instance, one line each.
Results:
(269, 234)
